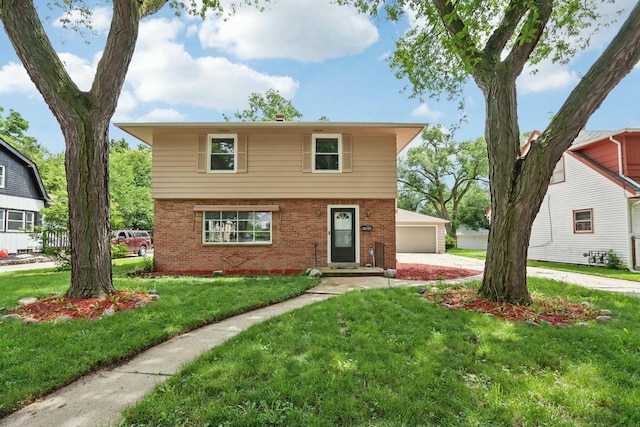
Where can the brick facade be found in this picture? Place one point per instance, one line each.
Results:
(299, 235)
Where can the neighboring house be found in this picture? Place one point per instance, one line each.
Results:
(419, 233)
(593, 201)
(467, 238)
(273, 195)
(22, 196)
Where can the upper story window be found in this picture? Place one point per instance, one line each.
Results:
(558, 172)
(583, 221)
(2, 176)
(222, 153)
(327, 151)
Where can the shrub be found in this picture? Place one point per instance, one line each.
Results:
(449, 242)
(119, 251)
(612, 260)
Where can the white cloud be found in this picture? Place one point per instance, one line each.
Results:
(81, 71)
(304, 30)
(100, 19)
(14, 79)
(550, 77)
(162, 70)
(423, 110)
(162, 115)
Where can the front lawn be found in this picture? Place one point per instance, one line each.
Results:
(38, 358)
(389, 358)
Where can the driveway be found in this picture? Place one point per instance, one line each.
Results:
(627, 287)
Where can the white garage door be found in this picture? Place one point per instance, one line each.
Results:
(416, 239)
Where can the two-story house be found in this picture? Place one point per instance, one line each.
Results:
(22, 196)
(273, 196)
(592, 204)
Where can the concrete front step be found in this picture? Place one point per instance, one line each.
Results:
(350, 271)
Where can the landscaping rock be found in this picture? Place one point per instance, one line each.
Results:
(582, 325)
(154, 297)
(27, 300)
(604, 319)
(140, 304)
(390, 273)
(604, 312)
(108, 312)
(315, 273)
(8, 317)
(4, 310)
(218, 273)
(585, 304)
(434, 289)
(153, 292)
(64, 318)
(29, 320)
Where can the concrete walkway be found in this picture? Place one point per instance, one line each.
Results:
(99, 398)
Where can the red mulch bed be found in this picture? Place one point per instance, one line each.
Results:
(432, 272)
(552, 311)
(91, 308)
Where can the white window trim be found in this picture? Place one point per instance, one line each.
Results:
(3, 175)
(314, 137)
(7, 221)
(29, 225)
(235, 151)
(262, 243)
(3, 216)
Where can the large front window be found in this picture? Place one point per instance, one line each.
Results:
(326, 153)
(222, 152)
(229, 227)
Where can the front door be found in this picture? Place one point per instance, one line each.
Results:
(343, 235)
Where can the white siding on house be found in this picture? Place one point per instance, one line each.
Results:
(14, 241)
(472, 241)
(552, 237)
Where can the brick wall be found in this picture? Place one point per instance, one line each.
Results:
(299, 234)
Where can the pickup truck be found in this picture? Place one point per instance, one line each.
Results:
(138, 241)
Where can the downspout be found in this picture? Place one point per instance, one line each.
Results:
(630, 262)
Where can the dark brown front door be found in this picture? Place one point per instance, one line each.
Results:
(343, 237)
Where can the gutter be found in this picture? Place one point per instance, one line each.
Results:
(630, 262)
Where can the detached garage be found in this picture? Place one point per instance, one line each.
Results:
(419, 233)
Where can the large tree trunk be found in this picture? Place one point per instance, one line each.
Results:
(84, 119)
(86, 163)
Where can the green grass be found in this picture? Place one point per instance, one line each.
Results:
(575, 268)
(388, 358)
(36, 359)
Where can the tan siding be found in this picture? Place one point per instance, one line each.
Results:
(274, 170)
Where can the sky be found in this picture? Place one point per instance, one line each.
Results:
(329, 60)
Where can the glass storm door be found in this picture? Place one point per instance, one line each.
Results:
(343, 237)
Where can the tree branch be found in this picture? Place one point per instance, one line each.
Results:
(618, 59)
(457, 30)
(501, 36)
(521, 51)
(117, 54)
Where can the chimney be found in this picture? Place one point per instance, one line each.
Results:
(279, 117)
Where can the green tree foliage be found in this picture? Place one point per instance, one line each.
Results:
(473, 207)
(130, 187)
(266, 107)
(491, 42)
(440, 172)
(13, 129)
